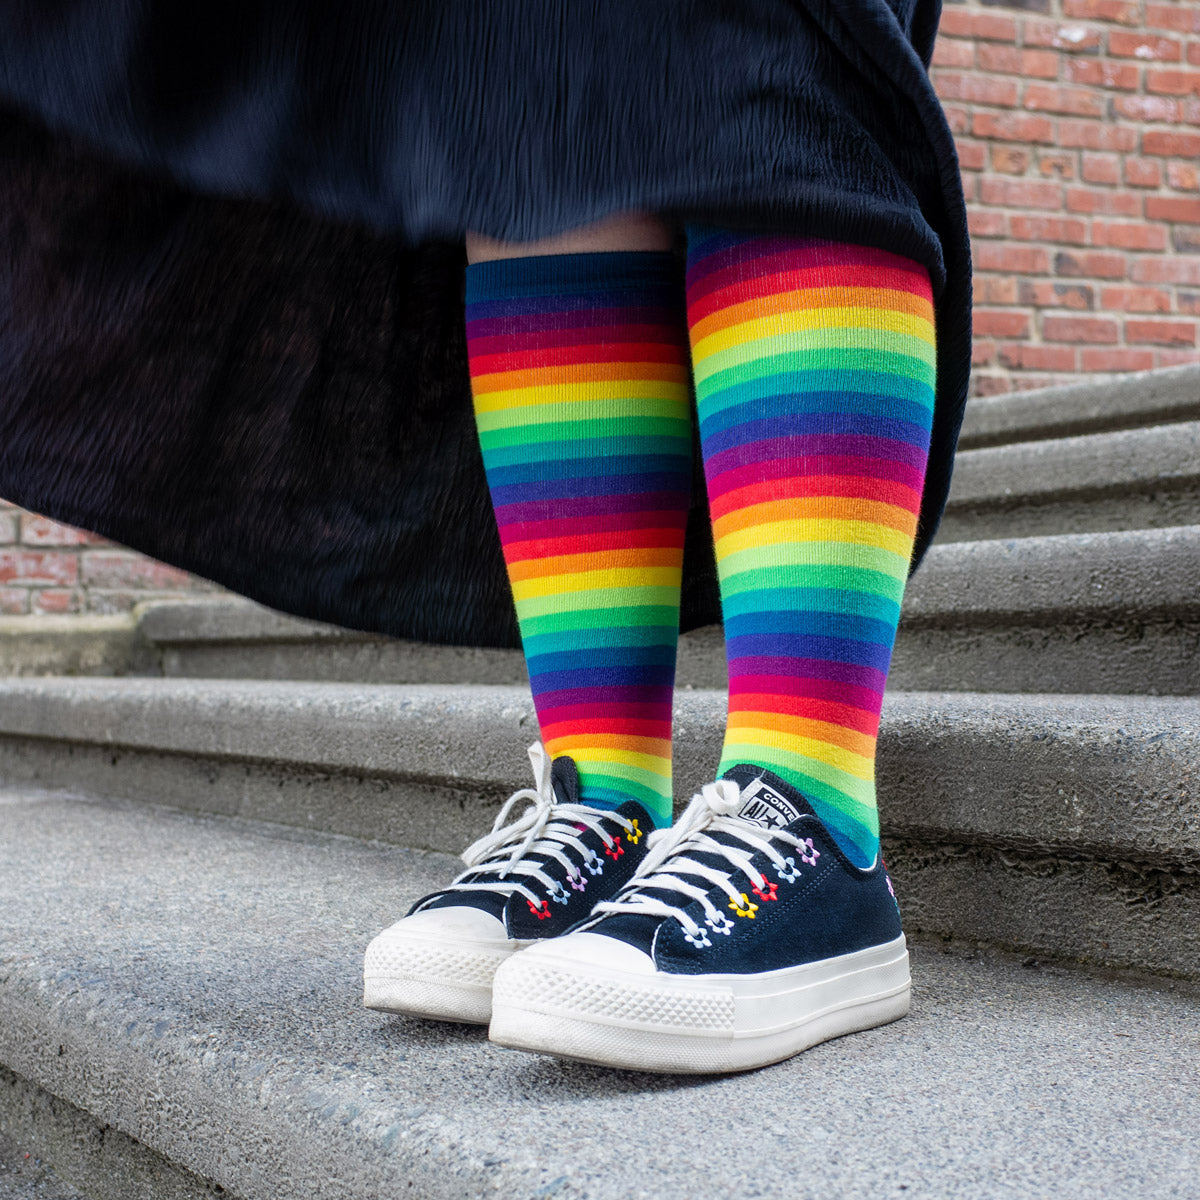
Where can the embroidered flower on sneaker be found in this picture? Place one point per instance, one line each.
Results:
(808, 852)
(768, 891)
(634, 834)
(787, 870)
(592, 862)
(750, 909)
(719, 923)
(539, 908)
(615, 850)
(699, 939)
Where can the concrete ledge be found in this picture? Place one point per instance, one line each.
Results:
(1129, 479)
(1091, 406)
(195, 985)
(1140, 574)
(84, 645)
(1102, 777)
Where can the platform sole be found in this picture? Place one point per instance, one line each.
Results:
(694, 1024)
(420, 977)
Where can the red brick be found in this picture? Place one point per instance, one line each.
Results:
(1143, 172)
(1188, 302)
(1090, 135)
(1123, 236)
(1161, 333)
(1175, 358)
(1071, 230)
(1021, 193)
(122, 569)
(33, 566)
(41, 531)
(1010, 160)
(947, 53)
(1004, 323)
(1173, 208)
(1098, 72)
(1016, 127)
(972, 156)
(1146, 108)
(1055, 164)
(56, 600)
(970, 187)
(1171, 145)
(1090, 265)
(14, 602)
(957, 117)
(1182, 18)
(1094, 330)
(983, 353)
(1052, 97)
(1116, 360)
(1113, 204)
(1039, 358)
(8, 528)
(1123, 12)
(1005, 257)
(1101, 168)
(1173, 83)
(1193, 54)
(1190, 109)
(987, 224)
(1185, 177)
(1185, 239)
(1144, 46)
(1169, 269)
(994, 289)
(1008, 60)
(1054, 34)
(1131, 299)
(1080, 297)
(966, 23)
(976, 89)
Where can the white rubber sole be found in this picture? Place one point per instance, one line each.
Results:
(424, 977)
(693, 1024)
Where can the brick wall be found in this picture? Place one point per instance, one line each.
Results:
(1078, 128)
(50, 568)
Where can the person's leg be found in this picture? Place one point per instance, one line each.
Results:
(579, 374)
(814, 367)
(579, 371)
(814, 370)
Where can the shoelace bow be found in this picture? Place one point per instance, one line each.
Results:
(712, 810)
(544, 828)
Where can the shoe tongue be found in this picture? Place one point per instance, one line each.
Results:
(766, 800)
(564, 780)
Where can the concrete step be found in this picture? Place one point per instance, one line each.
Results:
(1092, 612)
(192, 985)
(1060, 825)
(1106, 612)
(1147, 478)
(1093, 406)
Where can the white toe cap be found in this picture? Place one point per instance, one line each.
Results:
(592, 950)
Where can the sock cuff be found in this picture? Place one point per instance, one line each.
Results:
(558, 274)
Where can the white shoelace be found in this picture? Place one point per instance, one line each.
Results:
(545, 827)
(712, 810)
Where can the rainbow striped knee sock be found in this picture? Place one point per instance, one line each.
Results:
(579, 371)
(814, 366)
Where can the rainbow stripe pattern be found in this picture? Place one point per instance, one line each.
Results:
(579, 372)
(814, 365)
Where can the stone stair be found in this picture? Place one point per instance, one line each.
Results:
(209, 807)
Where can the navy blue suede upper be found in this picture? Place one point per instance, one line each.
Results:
(819, 905)
(600, 877)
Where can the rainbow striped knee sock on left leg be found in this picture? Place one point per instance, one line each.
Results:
(814, 364)
(579, 372)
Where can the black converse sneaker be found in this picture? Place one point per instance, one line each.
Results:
(526, 881)
(745, 937)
